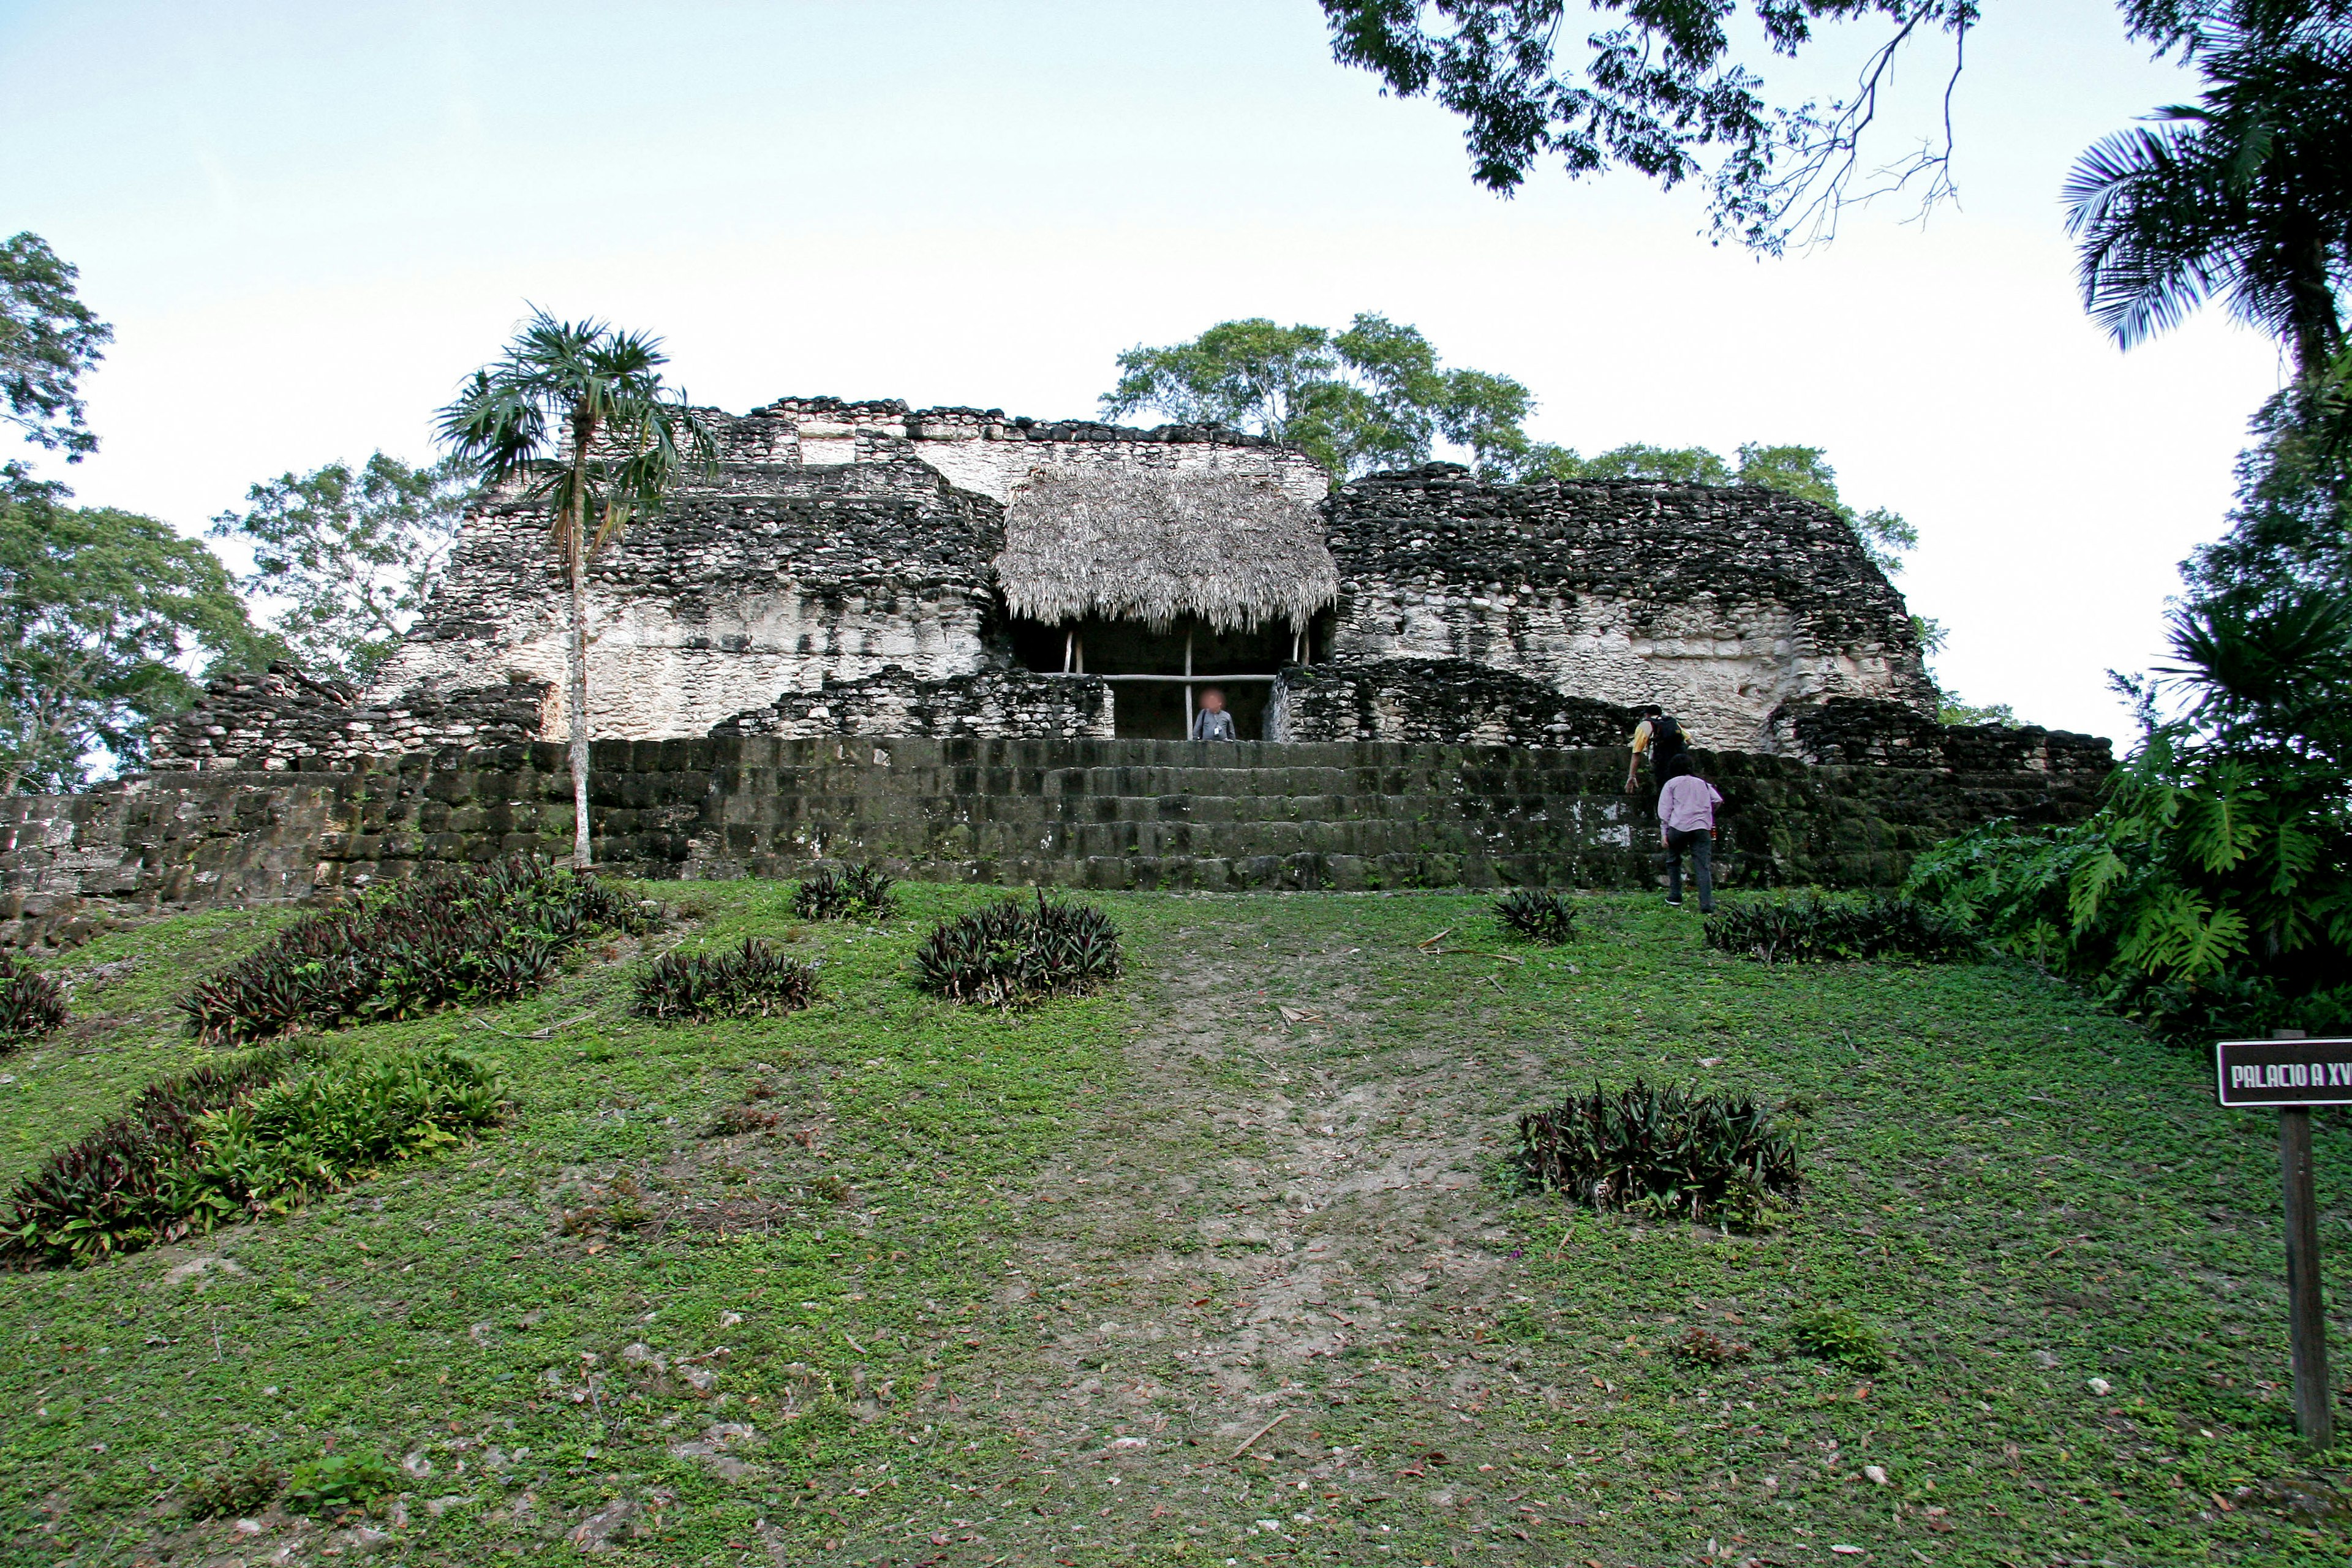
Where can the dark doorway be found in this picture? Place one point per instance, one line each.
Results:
(1155, 710)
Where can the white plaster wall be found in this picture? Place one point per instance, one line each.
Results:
(648, 680)
(1721, 670)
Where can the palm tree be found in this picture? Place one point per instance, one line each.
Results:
(2246, 194)
(576, 413)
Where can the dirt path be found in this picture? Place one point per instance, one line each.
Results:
(1221, 1278)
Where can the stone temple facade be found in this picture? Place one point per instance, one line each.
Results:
(863, 569)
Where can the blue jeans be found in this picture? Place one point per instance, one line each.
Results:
(1700, 842)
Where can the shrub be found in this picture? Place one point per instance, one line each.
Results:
(859, 892)
(467, 936)
(220, 1141)
(263, 1153)
(1016, 953)
(106, 1193)
(337, 1484)
(234, 1491)
(1538, 913)
(1838, 1334)
(1814, 929)
(755, 980)
(31, 1003)
(1667, 1152)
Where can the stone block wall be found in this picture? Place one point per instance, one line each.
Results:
(1864, 733)
(1722, 603)
(1436, 700)
(282, 719)
(1012, 703)
(1082, 812)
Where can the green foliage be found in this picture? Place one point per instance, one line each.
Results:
(107, 1193)
(1015, 952)
(220, 1141)
(1814, 929)
(465, 936)
(352, 556)
(1370, 397)
(2245, 195)
(2291, 529)
(1670, 1151)
(2213, 892)
(1538, 914)
(234, 1491)
(337, 1484)
(573, 420)
(859, 892)
(1838, 1334)
(49, 338)
(755, 980)
(263, 1153)
(31, 1003)
(100, 613)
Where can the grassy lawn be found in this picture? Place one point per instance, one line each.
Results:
(1219, 1266)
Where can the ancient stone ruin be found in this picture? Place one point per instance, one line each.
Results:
(972, 645)
(860, 569)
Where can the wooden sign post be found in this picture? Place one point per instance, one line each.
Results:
(2295, 1074)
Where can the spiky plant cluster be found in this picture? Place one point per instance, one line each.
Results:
(859, 892)
(1814, 929)
(754, 981)
(107, 1193)
(1670, 1150)
(241, 1138)
(1016, 953)
(1538, 913)
(471, 935)
(31, 1003)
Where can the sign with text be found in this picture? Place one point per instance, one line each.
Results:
(2283, 1072)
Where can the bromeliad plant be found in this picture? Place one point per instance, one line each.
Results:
(31, 1003)
(467, 936)
(754, 981)
(1814, 929)
(1672, 1151)
(859, 892)
(244, 1140)
(1016, 952)
(1538, 914)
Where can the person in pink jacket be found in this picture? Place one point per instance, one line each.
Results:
(1687, 805)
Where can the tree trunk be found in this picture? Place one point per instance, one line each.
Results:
(576, 697)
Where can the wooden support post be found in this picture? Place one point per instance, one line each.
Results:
(1187, 684)
(2315, 1409)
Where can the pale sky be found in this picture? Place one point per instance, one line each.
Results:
(308, 222)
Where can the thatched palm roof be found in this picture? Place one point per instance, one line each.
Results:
(1150, 544)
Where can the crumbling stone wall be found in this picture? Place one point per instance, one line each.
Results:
(282, 719)
(1088, 813)
(1014, 704)
(1723, 605)
(1435, 700)
(1857, 732)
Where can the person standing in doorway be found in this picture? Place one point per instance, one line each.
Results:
(1212, 722)
(1660, 736)
(1687, 805)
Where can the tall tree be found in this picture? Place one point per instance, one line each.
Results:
(1370, 396)
(2245, 195)
(1663, 87)
(349, 556)
(102, 616)
(47, 339)
(576, 414)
